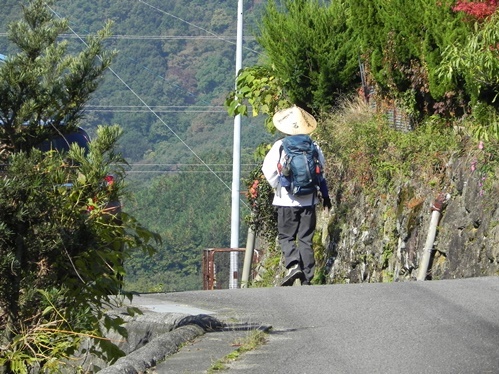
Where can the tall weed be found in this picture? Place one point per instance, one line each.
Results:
(364, 154)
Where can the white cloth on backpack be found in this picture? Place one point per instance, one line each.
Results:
(271, 173)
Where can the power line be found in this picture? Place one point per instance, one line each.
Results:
(189, 164)
(185, 167)
(178, 172)
(179, 168)
(152, 111)
(157, 106)
(210, 36)
(193, 25)
(153, 37)
(145, 110)
(157, 109)
(204, 171)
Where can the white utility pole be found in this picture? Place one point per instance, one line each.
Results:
(236, 159)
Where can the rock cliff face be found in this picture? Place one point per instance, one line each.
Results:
(382, 238)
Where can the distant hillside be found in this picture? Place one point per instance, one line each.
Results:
(175, 64)
(174, 67)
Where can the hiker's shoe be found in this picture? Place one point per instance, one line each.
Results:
(294, 272)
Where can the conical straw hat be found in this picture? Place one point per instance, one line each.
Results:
(294, 121)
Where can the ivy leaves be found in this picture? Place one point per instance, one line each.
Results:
(257, 91)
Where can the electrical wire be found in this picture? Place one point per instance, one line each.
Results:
(158, 106)
(193, 25)
(152, 111)
(211, 36)
(153, 37)
(145, 110)
(188, 164)
(180, 168)
(157, 109)
(176, 171)
(183, 168)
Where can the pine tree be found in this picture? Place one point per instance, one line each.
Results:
(308, 43)
(61, 249)
(42, 83)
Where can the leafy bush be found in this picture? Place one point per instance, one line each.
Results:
(62, 252)
(309, 45)
(474, 61)
(263, 217)
(402, 43)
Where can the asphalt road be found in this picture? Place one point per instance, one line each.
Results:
(447, 326)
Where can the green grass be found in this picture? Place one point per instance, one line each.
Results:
(255, 339)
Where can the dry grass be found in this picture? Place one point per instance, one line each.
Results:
(352, 110)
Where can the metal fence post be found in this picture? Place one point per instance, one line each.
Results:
(248, 257)
(436, 211)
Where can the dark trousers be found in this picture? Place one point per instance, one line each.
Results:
(296, 226)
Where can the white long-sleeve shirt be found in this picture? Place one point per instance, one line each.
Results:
(269, 169)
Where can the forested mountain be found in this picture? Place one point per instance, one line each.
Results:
(174, 66)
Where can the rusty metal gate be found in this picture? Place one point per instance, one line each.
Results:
(216, 267)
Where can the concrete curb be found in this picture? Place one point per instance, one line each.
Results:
(154, 351)
(153, 336)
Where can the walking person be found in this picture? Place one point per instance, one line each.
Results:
(295, 202)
